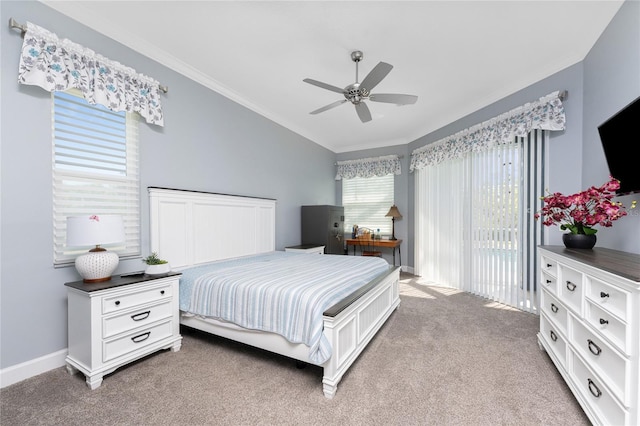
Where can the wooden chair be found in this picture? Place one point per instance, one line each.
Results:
(368, 245)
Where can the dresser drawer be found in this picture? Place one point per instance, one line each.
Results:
(609, 298)
(555, 340)
(124, 322)
(556, 312)
(549, 266)
(571, 288)
(611, 366)
(608, 326)
(549, 282)
(131, 298)
(135, 341)
(598, 397)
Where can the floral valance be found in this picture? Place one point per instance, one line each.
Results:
(368, 167)
(60, 64)
(547, 113)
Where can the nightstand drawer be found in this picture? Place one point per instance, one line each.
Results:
(134, 298)
(122, 323)
(136, 341)
(549, 282)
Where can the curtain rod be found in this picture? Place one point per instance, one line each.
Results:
(23, 29)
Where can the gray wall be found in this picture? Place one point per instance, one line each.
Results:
(611, 81)
(209, 143)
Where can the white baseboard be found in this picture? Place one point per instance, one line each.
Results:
(20, 372)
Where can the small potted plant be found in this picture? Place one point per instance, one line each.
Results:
(155, 265)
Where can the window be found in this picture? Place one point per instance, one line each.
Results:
(366, 201)
(95, 170)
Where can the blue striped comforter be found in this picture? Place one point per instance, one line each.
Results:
(280, 292)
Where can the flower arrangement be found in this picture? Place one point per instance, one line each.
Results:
(579, 213)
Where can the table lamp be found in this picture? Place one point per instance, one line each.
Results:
(394, 214)
(97, 264)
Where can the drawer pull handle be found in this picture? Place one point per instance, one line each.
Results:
(597, 393)
(595, 349)
(554, 308)
(603, 294)
(161, 291)
(117, 302)
(141, 337)
(549, 265)
(603, 321)
(140, 316)
(571, 286)
(553, 335)
(548, 281)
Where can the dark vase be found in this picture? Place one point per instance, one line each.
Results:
(579, 241)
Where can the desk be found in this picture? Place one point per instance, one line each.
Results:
(392, 244)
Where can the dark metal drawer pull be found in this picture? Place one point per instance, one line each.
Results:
(549, 281)
(141, 337)
(595, 349)
(571, 286)
(593, 386)
(161, 291)
(554, 308)
(117, 302)
(603, 294)
(553, 335)
(549, 265)
(140, 316)
(603, 321)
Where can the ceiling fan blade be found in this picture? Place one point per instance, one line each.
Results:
(326, 107)
(376, 75)
(393, 98)
(324, 85)
(363, 112)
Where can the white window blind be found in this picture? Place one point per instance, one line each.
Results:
(95, 170)
(366, 201)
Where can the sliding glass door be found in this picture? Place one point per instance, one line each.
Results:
(474, 221)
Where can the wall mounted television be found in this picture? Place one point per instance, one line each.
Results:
(620, 137)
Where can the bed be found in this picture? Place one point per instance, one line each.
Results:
(206, 235)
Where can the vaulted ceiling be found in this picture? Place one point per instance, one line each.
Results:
(456, 56)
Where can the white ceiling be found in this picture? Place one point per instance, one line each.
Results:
(456, 56)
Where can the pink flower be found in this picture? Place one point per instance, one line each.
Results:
(94, 217)
(579, 212)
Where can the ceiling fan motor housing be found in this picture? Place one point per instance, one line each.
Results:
(355, 94)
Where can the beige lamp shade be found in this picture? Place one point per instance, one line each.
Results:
(394, 212)
(98, 264)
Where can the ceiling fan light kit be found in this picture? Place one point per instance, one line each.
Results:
(358, 92)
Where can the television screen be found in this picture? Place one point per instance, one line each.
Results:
(620, 137)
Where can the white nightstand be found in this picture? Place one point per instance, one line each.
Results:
(306, 248)
(118, 321)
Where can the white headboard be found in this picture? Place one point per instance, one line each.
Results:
(190, 228)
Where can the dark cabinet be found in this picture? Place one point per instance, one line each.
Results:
(324, 225)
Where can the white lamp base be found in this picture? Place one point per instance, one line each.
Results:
(97, 266)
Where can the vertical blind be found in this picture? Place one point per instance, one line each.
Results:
(474, 221)
(95, 170)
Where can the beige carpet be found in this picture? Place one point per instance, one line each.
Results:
(443, 358)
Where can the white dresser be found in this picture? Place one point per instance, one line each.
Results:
(590, 327)
(118, 321)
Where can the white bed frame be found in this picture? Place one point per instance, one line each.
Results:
(190, 228)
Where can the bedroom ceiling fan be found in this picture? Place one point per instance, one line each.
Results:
(357, 93)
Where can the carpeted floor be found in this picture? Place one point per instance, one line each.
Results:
(443, 358)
